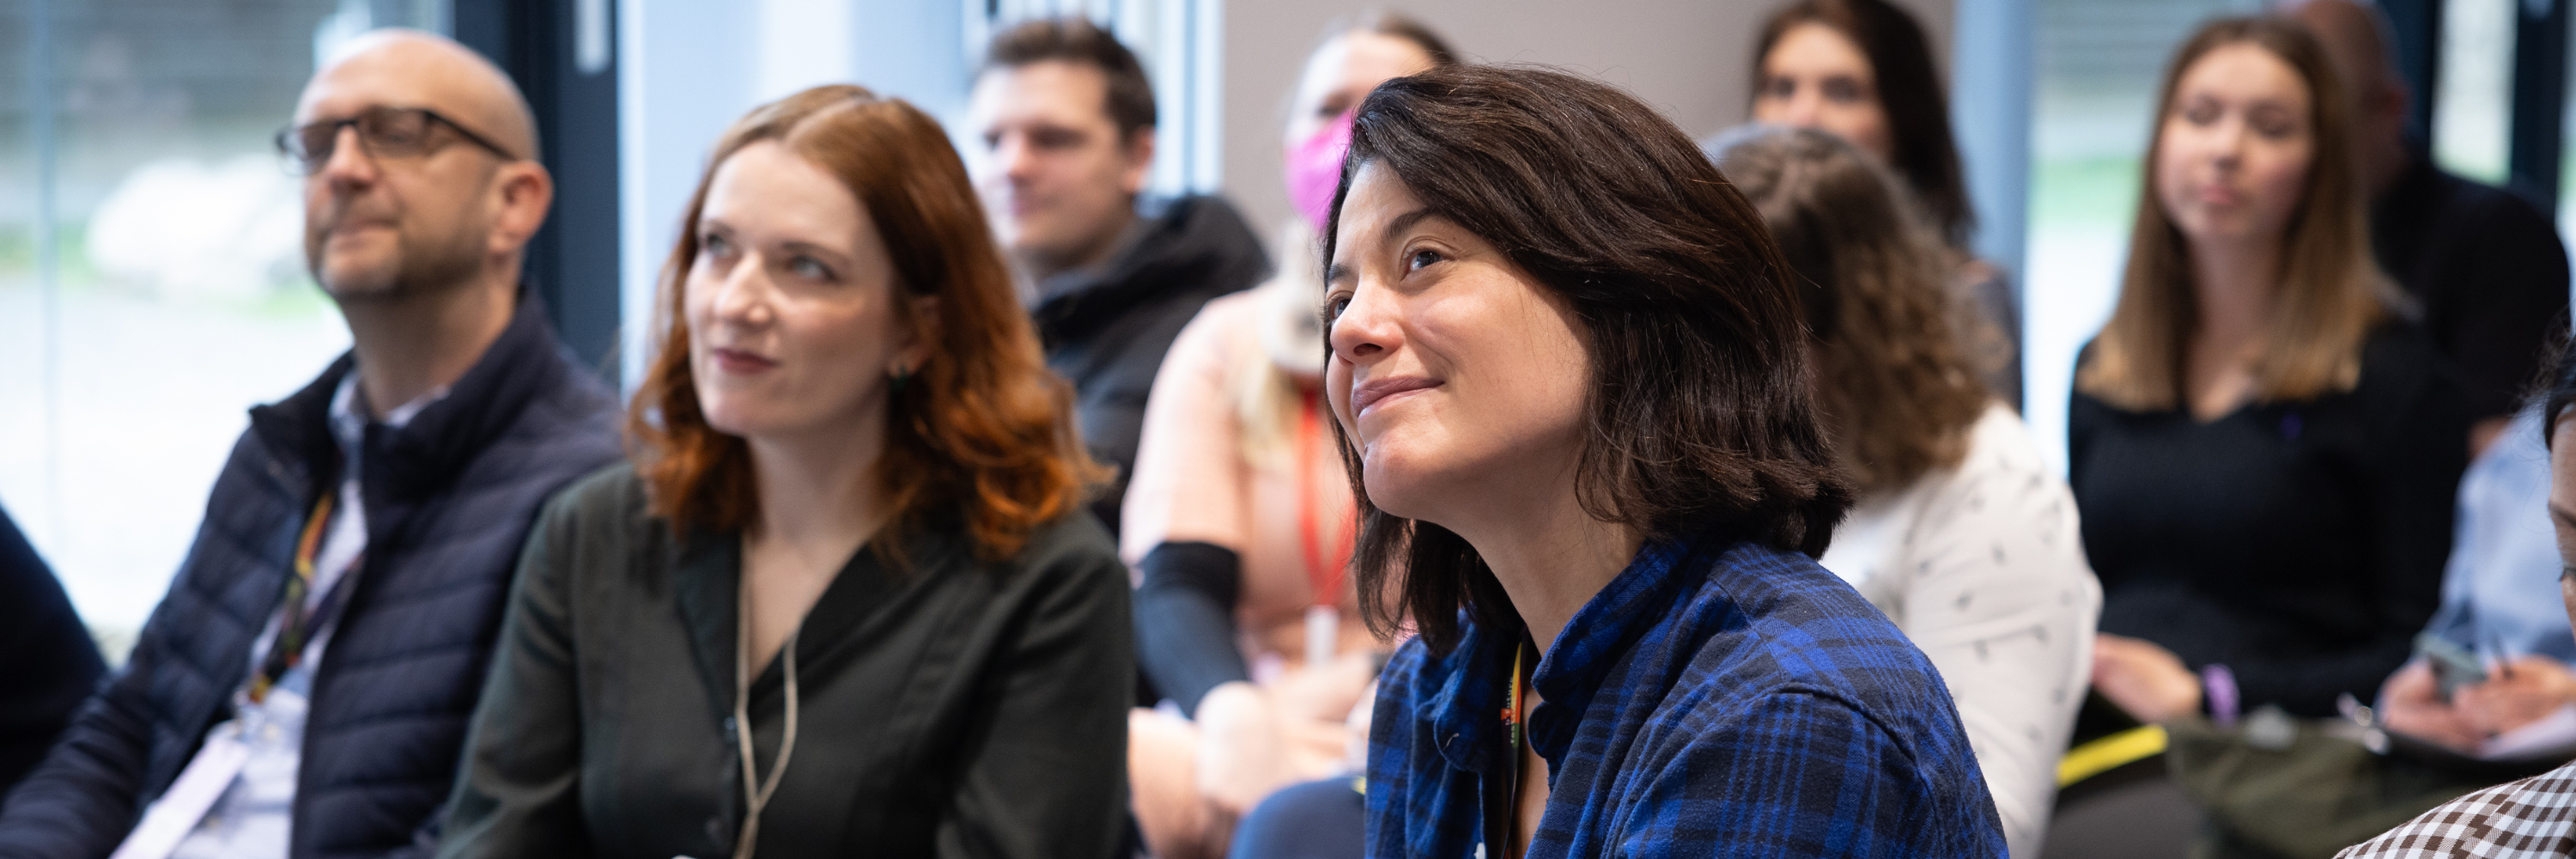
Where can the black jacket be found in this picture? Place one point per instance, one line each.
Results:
(1106, 330)
(951, 708)
(48, 664)
(449, 500)
(2489, 270)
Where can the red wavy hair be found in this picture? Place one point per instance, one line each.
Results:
(982, 428)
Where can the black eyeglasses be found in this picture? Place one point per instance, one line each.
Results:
(385, 132)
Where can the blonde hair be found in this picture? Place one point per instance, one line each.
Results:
(2332, 293)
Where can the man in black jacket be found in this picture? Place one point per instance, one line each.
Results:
(1069, 119)
(304, 687)
(2486, 265)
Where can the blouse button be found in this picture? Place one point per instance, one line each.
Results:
(716, 830)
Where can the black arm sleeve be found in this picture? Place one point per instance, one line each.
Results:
(1185, 632)
(48, 665)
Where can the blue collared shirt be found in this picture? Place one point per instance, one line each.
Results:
(2500, 594)
(1737, 702)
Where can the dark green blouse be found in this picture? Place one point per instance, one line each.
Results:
(956, 708)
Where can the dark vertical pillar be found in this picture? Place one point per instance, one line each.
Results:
(573, 261)
(2417, 25)
(2539, 100)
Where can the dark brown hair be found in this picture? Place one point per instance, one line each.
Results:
(981, 428)
(1909, 90)
(1891, 378)
(2331, 290)
(1074, 39)
(1699, 420)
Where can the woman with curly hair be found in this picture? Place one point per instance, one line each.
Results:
(1963, 535)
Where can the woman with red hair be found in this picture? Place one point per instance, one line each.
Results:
(846, 599)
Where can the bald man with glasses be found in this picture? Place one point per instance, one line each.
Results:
(304, 687)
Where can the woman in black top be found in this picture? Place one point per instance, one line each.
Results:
(2264, 455)
(845, 602)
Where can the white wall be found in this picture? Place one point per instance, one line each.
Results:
(688, 69)
(1688, 57)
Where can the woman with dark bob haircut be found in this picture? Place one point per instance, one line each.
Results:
(1569, 378)
(846, 601)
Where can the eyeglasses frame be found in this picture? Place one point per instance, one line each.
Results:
(306, 166)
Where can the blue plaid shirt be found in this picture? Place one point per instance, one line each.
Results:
(1741, 703)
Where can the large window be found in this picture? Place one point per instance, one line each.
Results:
(152, 282)
(2099, 64)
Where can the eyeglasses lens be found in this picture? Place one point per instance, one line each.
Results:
(386, 132)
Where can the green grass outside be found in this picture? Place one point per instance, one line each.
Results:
(2084, 192)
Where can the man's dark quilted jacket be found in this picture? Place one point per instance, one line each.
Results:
(449, 499)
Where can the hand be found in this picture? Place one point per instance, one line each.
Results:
(2411, 704)
(1242, 752)
(1324, 692)
(2515, 694)
(2146, 680)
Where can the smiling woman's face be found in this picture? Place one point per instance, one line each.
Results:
(1461, 379)
(790, 303)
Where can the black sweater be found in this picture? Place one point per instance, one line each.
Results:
(1106, 330)
(2301, 544)
(2489, 270)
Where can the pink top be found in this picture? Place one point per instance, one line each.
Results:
(1195, 481)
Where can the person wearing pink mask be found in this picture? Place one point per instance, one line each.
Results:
(1239, 519)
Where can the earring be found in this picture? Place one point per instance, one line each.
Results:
(902, 376)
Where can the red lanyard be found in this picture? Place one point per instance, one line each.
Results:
(1323, 572)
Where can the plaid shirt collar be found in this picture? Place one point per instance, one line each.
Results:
(1467, 711)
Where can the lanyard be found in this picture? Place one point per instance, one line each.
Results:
(288, 650)
(755, 799)
(1504, 817)
(1512, 727)
(1324, 573)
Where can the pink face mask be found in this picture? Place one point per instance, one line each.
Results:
(1315, 170)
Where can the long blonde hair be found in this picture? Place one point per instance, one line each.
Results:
(2332, 293)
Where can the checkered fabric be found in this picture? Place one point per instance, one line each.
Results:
(2528, 818)
(1736, 702)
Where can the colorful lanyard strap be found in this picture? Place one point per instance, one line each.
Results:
(1516, 732)
(288, 650)
(1512, 727)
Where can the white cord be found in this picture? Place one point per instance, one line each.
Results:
(755, 800)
